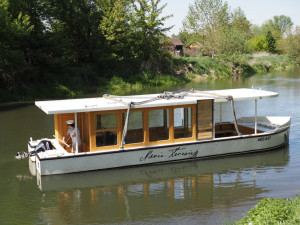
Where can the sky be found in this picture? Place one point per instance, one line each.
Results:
(257, 11)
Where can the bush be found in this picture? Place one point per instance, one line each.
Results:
(64, 92)
(258, 43)
(273, 211)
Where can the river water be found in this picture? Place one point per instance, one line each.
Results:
(214, 191)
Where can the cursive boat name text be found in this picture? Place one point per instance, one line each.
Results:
(151, 155)
(176, 152)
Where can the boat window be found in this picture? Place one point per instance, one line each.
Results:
(106, 129)
(135, 128)
(158, 125)
(182, 122)
(106, 121)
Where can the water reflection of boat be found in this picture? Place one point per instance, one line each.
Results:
(158, 194)
(157, 173)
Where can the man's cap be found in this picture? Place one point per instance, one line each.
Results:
(70, 122)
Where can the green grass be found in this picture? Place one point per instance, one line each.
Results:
(224, 66)
(273, 211)
(117, 85)
(203, 65)
(274, 62)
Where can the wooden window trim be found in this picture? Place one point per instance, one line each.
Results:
(210, 113)
(133, 145)
(93, 131)
(159, 142)
(146, 142)
(193, 123)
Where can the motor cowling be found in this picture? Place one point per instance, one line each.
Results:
(42, 146)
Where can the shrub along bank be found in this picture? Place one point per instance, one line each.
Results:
(231, 66)
(117, 77)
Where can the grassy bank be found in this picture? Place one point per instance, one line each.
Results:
(231, 66)
(117, 77)
(273, 211)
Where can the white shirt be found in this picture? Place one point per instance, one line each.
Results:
(72, 133)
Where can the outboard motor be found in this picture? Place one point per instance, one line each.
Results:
(42, 146)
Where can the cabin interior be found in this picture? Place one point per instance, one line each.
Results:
(103, 130)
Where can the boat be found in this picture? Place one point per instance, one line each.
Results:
(127, 131)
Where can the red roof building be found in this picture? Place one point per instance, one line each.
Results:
(177, 47)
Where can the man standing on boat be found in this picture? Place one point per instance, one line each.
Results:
(71, 133)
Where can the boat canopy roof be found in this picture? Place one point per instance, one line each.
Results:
(109, 102)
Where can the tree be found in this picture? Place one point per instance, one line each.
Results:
(148, 28)
(184, 37)
(278, 26)
(270, 42)
(76, 23)
(13, 30)
(270, 33)
(282, 23)
(210, 23)
(34, 45)
(115, 26)
(231, 41)
(291, 44)
(240, 23)
(233, 38)
(205, 19)
(256, 30)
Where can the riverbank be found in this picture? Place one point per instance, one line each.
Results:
(200, 69)
(70, 81)
(232, 66)
(273, 211)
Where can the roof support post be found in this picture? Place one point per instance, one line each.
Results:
(125, 127)
(221, 112)
(213, 119)
(230, 98)
(255, 123)
(75, 115)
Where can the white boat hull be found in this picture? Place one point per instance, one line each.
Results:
(72, 163)
(161, 172)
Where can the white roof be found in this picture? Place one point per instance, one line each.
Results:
(104, 104)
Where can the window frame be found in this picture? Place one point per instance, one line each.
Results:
(146, 134)
(193, 123)
(138, 144)
(93, 130)
(148, 142)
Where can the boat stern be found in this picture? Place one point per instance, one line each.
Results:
(42, 149)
